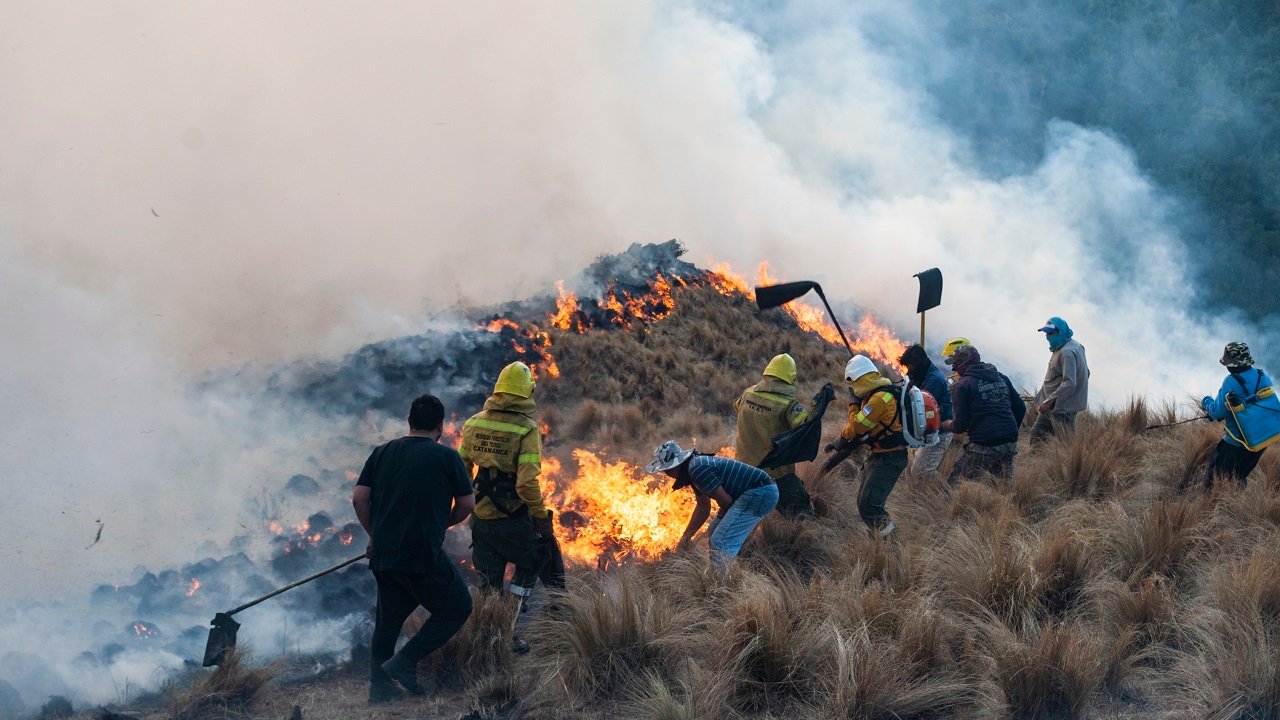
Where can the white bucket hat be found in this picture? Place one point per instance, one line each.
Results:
(667, 456)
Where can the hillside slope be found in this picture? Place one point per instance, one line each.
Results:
(1100, 582)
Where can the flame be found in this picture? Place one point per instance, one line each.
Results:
(345, 537)
(533, 345)
(648, 307)
(566, 315)
(193, 587)
(145, 631)
(275, 528)
(352, 475)
(614, 510)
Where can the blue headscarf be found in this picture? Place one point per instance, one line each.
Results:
(1060, 338)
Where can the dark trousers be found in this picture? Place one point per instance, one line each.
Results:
(974, 463)
(1231, 461)
(444, 596)
(494, 543)
(793, 499)
(883, 473)
(1050, 424)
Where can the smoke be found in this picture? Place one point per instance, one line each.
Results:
(194, 189)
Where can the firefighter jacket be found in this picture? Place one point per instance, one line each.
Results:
(766, 409)
(503, 441)
(874, 415)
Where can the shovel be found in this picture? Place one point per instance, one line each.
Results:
(222, 633)
(772, 296)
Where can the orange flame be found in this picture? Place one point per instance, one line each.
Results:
(533, 344)
(566, 315)
(614, 510)
(193, 587)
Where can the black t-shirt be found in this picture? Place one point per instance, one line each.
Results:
(414, 481)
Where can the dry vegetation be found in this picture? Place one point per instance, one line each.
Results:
(1100, 582)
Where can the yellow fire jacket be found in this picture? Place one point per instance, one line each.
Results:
(764, 410)
(505, 437)
(876, 415)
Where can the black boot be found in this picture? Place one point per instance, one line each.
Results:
(404, 674)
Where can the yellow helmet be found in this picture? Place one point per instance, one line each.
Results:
(515, 379)
(782, 367)
(954, 344)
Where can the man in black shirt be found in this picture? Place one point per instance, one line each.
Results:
(411, 490)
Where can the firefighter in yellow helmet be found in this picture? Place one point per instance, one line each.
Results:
(503, 447)
(874, 420)
(949, 351)
(765, 410)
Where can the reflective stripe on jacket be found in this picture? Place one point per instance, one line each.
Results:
(504, 436)
(876, 416)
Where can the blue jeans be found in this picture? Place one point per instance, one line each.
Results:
(743, 516)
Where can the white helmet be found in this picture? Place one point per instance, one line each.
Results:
(858, 366)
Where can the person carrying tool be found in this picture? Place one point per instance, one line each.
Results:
(988, 408)
(925, 375)
(874, 419)
(1244, 440)
(511, 523)
(744, 494)
(765, 410)
(410, 491)
(1066, 383)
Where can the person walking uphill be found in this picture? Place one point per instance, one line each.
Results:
(411, 490)
(512, 523)
(874, 418)
(1066, 383)
(987, 408)
(765, 410)
(744, 494)
(1248, 403)
(925, 375)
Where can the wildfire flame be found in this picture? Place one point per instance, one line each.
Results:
(193, 587)
(145, 631)
(566, 314)
(624, 512)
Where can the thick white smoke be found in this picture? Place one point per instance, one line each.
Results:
(189, 187)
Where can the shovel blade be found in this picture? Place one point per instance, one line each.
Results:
(772, 296)
(930, 290)
(222, 639)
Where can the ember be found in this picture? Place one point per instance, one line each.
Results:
(193, 587)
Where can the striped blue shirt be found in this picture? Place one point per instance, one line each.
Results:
(708, 473)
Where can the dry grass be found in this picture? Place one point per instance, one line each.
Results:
(228, 691)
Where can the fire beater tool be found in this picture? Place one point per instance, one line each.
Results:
(222, 633)
(930, 295)
(772, 296)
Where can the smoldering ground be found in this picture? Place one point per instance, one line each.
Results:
(187, 190)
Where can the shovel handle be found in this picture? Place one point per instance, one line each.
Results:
(293, 585)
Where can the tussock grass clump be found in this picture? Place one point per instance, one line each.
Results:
(482, 648)
(1160, 541)
(227, 692)
(1051, 673)
(602, 635)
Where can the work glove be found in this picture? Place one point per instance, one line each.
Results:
(825, 394)
(544, 525)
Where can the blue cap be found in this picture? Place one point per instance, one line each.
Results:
(1048, 328)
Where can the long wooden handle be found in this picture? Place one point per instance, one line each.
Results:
(293, 585)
